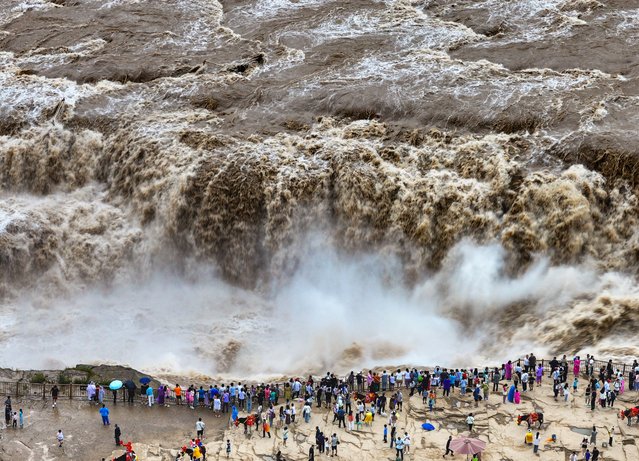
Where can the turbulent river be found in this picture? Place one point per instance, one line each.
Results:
(275, 186)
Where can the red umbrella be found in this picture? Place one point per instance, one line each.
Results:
(467, 445)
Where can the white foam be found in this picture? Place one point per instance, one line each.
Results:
(307, 322)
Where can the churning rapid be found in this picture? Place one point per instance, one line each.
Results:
(274, 186)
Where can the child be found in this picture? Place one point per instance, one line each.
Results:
(575, 383)
(60, 438)
(21, 416)
(431, 401)
(385, 433)
(15, 419)
(228, 447)
(285, 435)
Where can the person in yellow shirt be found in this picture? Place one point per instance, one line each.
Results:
(197, 453)
(529, 438)
(368, 419)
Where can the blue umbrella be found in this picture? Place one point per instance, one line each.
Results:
(115, 385)
(428, 427)
(145, 380)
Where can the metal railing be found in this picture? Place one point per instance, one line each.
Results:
(79, 391)
(598, 364)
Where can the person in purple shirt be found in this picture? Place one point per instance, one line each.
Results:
(446, 386)
(226, 398)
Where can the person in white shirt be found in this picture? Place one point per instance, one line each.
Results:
(306, 412)
(406, 442)
(470, 420)
(199, 427)
(573, 457)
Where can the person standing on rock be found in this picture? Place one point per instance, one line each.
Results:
(60, 438)
(536, 443)
(476, 395)
(334, 443)
(399, 447)
(593, 436)
(311, 453)
(306, 412)
(117, 435)
(470, 421)
(406, 441)
(448, 450)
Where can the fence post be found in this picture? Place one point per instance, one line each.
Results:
(17, 389)
(70, 391)
(44, 386)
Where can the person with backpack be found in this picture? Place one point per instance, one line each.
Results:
(334, 443)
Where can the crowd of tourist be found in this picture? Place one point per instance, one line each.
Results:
(357, 399)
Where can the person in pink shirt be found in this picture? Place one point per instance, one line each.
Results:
(576, 365)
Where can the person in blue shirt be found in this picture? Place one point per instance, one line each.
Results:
(200, 396)
(104, 412)
(476, 394)
(399, 446)
(149, 395)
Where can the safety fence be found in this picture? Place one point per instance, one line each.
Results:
(79, 391)
(625, 368)
(42, 390)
